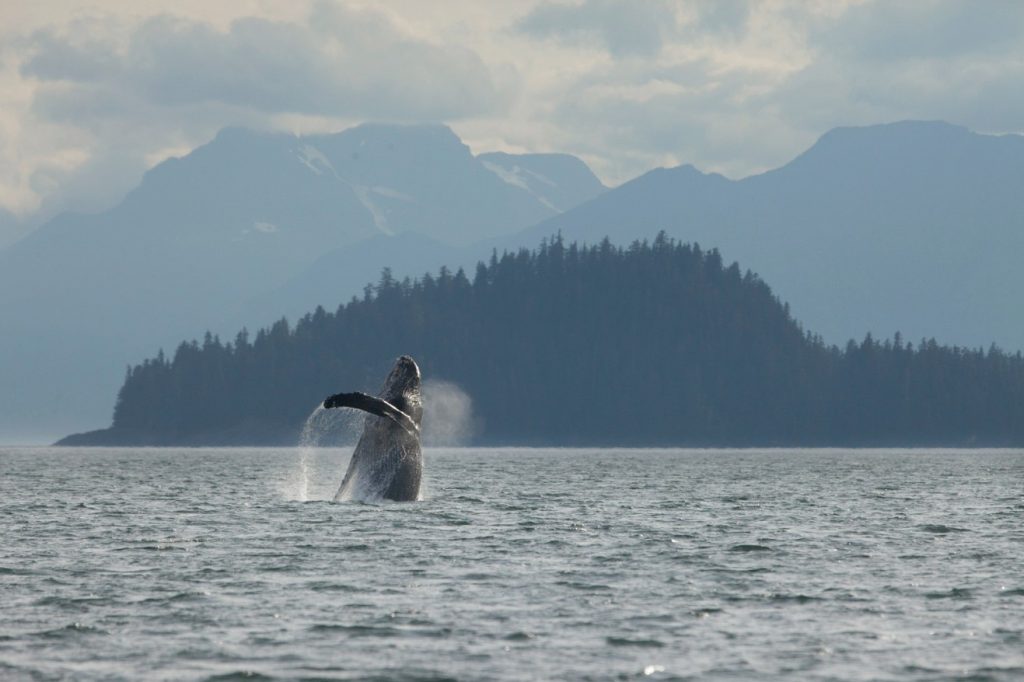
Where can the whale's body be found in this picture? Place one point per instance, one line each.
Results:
(388, 461)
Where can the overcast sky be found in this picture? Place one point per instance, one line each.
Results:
(93, 93)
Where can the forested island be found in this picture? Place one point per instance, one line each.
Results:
(658, 343)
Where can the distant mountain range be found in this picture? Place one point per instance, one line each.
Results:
(205, 237)
(916, 227)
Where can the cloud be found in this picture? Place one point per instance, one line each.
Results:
(729, 85)
(741, 87)
(934, 59)
(344, 63)
(880, 31)
(111, 96)
(634, 29)
(621, 26)
(720, 16)
(692, 112)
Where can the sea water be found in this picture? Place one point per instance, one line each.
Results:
(519, 564)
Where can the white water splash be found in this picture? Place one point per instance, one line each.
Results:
(447, 415)
(447, 421)
(331, 428)
(323, 429)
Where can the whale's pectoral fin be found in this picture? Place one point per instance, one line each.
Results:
(381, 408)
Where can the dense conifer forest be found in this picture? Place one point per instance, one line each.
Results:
(655, 344)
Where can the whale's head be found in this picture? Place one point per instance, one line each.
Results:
(402, 388)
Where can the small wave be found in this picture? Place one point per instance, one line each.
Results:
(750, 548)
(160, 547)
(941, 529)
(519, 636)
(278, 568)
(194, 595)
(78, 603)
(357, 630)
(71, 630)
(436, 632)
(624, 641)
(402, 675)
(456, 521)
(1014, 592)
(843, 595)
(333, 587)
(656, 618)
(1009, 636)
(793, 598)
(356, 547)
(915, 669)
(955, 593)
(586, 587)
(238, 675)
(987, 673)
(7, 570)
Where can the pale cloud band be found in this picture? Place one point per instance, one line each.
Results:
(729, 85)
(345, 63)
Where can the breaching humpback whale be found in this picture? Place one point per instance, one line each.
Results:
(387, 462)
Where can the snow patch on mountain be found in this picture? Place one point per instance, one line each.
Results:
(315, 160)
(518, 176)
(391, 193)
(379, 213)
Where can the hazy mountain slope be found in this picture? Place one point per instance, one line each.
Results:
(560, 181)
(914, 227)
(459, 200)
(344, 272)
(10, 228)
(200, 242)
(82, 295)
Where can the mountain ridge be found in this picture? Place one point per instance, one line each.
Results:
(908, 227)
(911, 227)
(205, 234)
